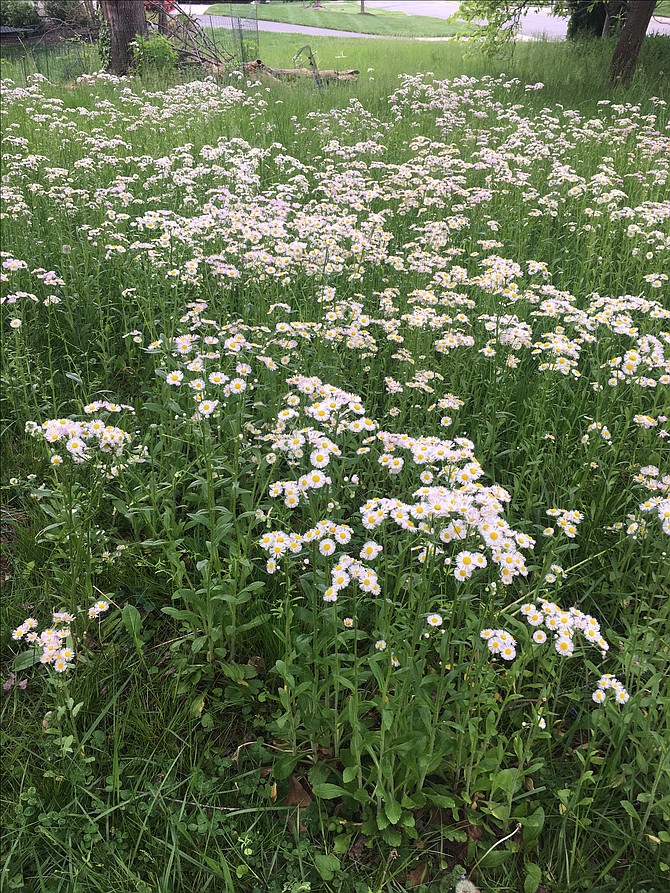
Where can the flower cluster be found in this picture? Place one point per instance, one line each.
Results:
(651, 478)
(568, 521)
(610, 683)
(56, 652)
(564, 625)
(500, 642)
(460, 510)
(86, 441)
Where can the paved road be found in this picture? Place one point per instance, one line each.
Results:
(537, 23)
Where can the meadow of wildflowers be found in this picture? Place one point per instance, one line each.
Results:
(336, 457)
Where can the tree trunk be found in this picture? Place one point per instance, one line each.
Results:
(90, 12)
(586, 19)
(362, 7)
(624, 60)
(125, 20)
(162, 20)
(615, 13)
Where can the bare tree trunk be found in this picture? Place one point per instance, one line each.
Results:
(162, 20)
(624, 60)
(125, 20)
(614, 10)
(362, 7)
(608, 21)
(90, 12)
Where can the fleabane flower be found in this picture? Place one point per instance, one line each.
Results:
(207, 407)
(370, 550)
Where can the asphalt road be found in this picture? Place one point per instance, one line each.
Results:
(537, 23)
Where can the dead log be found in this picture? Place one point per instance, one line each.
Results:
(258, 70)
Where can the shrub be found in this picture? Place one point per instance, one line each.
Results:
(154, 54)
(18, 14)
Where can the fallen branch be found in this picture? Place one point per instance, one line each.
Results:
(258, 70)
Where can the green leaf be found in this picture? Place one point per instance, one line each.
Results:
(440, 800)
(198, 644)
(237, 672)
(326, 791)
(382, 821)
(495, 858)
(393, 811)
(342, 843)
(500, 811)
(629, 809)
(181, 614)
(132, 620)
(26, 659)
(392, 837)
(532, 826)
(533, 878)
(326, 864)
(349, 774)
(507, 780)
(284, 765)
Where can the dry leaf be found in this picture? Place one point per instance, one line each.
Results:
(418, 875)
(297, 796)
(474, 832)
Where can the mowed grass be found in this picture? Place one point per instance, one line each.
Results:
(579, 71)
(280, 689)
(344, 16)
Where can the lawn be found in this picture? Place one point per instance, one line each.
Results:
(344, 16)
(662, 8)
(335, 486)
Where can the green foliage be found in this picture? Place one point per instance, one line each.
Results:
(18, 14)
(104, 43)
(497, 24)
(154, 54)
